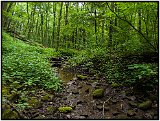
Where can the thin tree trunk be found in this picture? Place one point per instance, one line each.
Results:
(59, 26)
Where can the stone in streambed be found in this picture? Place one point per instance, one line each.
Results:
(132, 104)
(75, 91)
(82, 77)
(131, 113)
(46, 97)
(51, 109)
(115, 85)
(121, 116)
(115, 113)
(65, 109)
(100, 108)
(145, 105)
(34, 102)
(98, 93)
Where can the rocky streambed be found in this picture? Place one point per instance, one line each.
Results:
(93, 98)
(85, 97)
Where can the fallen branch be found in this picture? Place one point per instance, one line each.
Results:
(104, 104)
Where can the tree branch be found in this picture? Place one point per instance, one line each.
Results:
(133, 28)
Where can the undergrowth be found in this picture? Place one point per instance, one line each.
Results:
(26, 64)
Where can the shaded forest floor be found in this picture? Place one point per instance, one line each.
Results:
(87, 95)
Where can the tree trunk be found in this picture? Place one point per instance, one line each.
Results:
(59, 25)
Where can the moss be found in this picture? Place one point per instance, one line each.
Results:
(34, 103)
(115, 85)
(98, 93)
(145, 105)
(8, 114)
(121, 116)
(82, 77)
(65, 109)
(46, 97)
(131, 113)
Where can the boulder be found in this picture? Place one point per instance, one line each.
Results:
(98, 93)
(145, 105)
(82, 77)
(65, 109)
(131, 113)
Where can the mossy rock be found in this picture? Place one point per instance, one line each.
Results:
(132, 104)
(51, 109)
(46, 97)
(82, 77)
(115, 85)
(8, 114)
(121, 116)
(131, 113)
(34, 103)
(65, 109)
(98, 93)
(145, 105)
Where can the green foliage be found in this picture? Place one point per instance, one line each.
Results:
(143, 74)
(27, 64)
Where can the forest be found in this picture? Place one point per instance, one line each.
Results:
(80, 60)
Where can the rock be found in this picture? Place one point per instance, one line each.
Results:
(87, 90)
(79, 87)
(115, 85)
(115, 113)
(145, 105)
(148, 115)
(82, 77)
(65, 109)
(132, 104)
(80, 102)
(75, 91)
(106, 108)
(34, 103)
(74, 79)
(51, 109)
(82, 117)
(46, 97)
(84, 114)
(99, 107)
(131, 113)
(114, 101)
(132, 98)
(98, 93)
(68, 116)
(121, 116)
